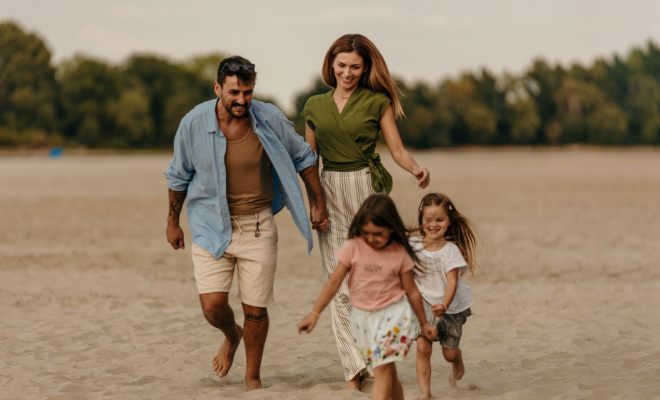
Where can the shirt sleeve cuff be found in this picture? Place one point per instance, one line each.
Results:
(176, 183)
(307, 161)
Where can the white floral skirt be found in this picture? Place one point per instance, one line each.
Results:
(383, 336)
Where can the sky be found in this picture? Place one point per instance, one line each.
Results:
(287, 39)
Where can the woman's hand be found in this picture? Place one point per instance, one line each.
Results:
(423, 176)
(429, 331)
(439, 310)
(308, 323)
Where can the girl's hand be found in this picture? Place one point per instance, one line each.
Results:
(429, 331)
(439, 310)
(423, 176)
(307, 324)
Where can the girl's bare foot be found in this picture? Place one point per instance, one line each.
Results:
(253, 385)
(224, 358)
(425, 397)
(458, 368)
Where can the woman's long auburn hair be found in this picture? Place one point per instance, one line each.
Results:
(461, 231)
(380, 210)
(376, 77)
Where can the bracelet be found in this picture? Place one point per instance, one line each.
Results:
(315, 313)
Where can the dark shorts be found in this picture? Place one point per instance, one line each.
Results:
(450, 329)
(450, 326)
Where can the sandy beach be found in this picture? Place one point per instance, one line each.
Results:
(94, 303)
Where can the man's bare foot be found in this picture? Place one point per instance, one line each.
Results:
(425, 397)
(224, 358)
(458, 369)
(253, 385)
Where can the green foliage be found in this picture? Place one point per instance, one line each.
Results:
(89, 93)
(205, 66)
(27, 81)
(140, 103)
(643, 106)
(427, 119)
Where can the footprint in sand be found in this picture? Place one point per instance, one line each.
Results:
(465, 384)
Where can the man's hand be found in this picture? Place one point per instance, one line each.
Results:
(173, 232)
(175, 237)
(423, 176)
(319, 217)
(318, 213)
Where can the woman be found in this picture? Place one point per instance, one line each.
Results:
(343, 125)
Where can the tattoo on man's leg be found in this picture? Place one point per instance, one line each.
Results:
(256, 317)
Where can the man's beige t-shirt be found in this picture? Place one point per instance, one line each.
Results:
(249, 175)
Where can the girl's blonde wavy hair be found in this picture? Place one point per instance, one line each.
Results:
(376, 77)
(461, 231)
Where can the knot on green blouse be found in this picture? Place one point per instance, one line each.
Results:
(380, 177)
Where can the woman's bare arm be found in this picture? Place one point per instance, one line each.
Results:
(398, 152)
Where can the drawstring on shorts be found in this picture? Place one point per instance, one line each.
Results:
(239, 225)
(256, 231)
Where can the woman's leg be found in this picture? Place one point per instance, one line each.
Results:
(423, 366)
(343, 200)
(455, 357)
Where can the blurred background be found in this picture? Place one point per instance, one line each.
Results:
(94, 303)
(122, 74)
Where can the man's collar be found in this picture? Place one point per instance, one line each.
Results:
(212, 118)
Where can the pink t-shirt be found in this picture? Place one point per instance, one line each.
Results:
(374, 280)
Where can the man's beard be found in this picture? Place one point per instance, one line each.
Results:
(239, 116)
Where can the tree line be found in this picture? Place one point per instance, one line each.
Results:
(140, 102)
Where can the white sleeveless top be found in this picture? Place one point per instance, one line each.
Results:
(432, 280)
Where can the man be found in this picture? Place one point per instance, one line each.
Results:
(236, 159)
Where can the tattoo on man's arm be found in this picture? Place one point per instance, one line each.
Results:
(256, 318)
(305, 172)
(176, 203)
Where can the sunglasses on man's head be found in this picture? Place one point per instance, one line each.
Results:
(234, 67)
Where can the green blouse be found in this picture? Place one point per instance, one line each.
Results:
(347, 140)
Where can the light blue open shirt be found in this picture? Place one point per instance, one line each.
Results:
(198, 166)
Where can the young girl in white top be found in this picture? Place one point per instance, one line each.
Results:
(446, 250)
(381, 263)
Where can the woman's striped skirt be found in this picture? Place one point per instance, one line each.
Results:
(344, 194)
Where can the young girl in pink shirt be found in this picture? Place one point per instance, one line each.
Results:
(381, 262)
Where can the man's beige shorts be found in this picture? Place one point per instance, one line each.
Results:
(255, 260)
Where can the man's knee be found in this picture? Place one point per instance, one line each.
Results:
(255, 314)
(214, 304)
